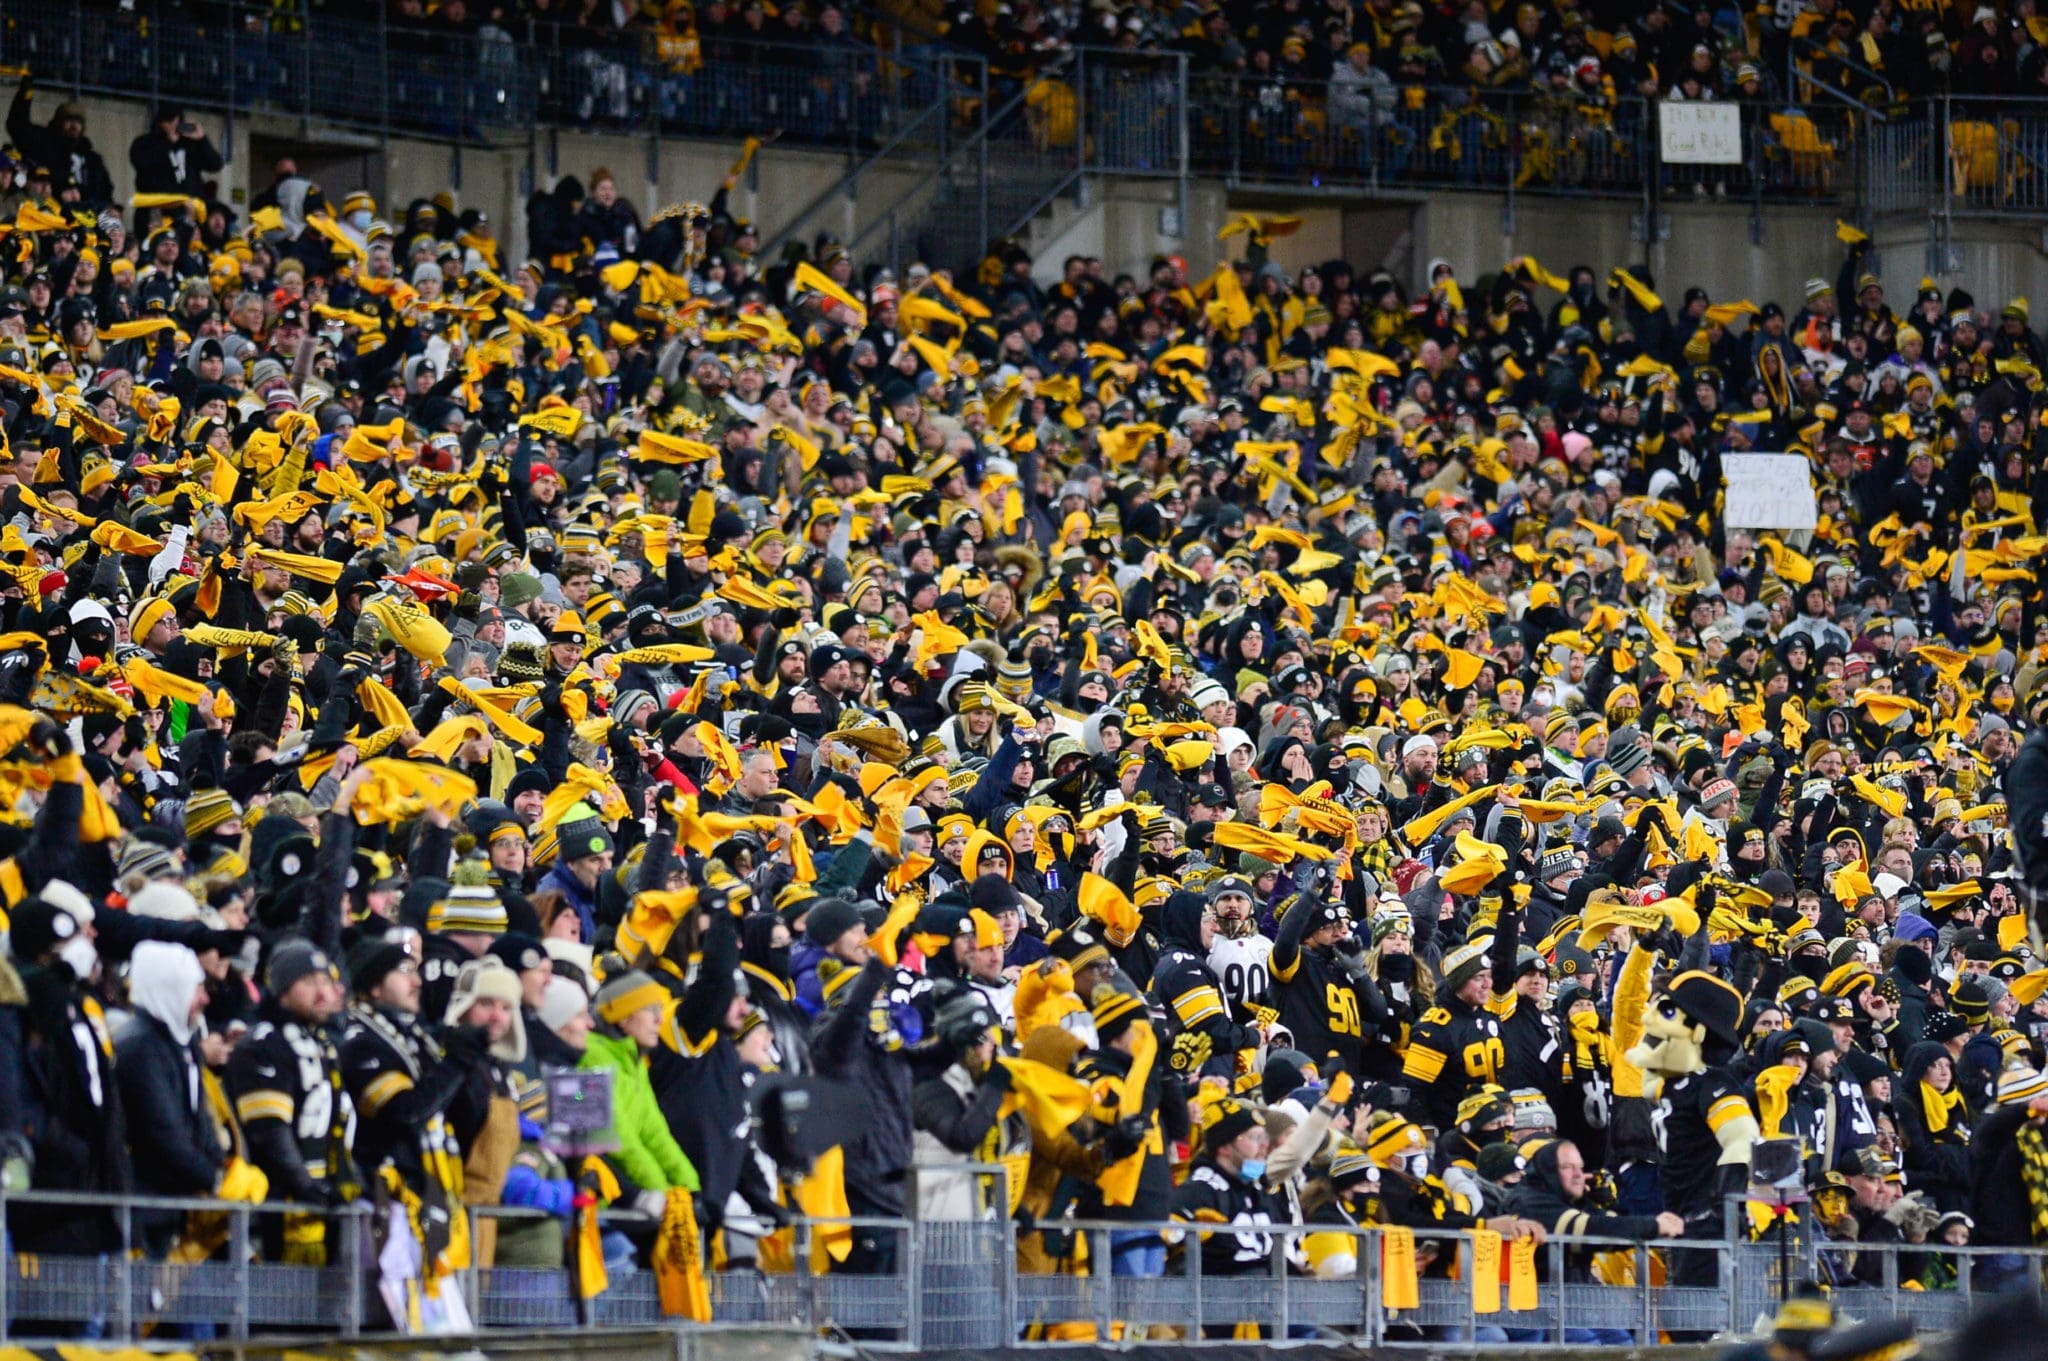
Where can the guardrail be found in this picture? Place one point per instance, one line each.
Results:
(1337, 136)
(482, 84)
(958, 1284)
(996, 148)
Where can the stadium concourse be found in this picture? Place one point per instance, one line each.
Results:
(1292, 770)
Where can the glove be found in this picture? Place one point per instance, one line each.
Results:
(1191, 1049)
(44, 736)
(653, 1204)
(1126, 1138)
(1350, 953)
(17, 1163)
(1914, 1217)
(464, 1044)
(19, 670)
(330, 1195)
(1339, 1094)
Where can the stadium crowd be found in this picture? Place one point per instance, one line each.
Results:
(1664, 48)
(1282, 747)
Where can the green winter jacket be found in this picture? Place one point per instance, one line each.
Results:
(648, 1153)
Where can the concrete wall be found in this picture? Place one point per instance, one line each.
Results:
(1709, 244)
(1121, 223)
(783, 180)
(717, 1342)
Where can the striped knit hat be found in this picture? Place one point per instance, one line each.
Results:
(1463, 964)
(2017, 1086)
(625, 994)
(471, 904)
(1114, 1011)
(208, 809)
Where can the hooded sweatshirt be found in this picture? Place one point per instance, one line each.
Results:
(1541, 1197)
(176, 1145)
(1185, 982)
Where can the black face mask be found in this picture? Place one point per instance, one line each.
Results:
(1397, 968)
(778, 962)
(1814, 967)
(810, 725)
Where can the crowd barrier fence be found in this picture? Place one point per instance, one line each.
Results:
(957, 1284)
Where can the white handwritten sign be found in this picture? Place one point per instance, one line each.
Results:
(1700, 134)
(1768, 491)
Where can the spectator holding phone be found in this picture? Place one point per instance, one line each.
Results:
(174, 156)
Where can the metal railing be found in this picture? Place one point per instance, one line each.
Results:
(992, 149)
(1953, 158)
(1325, 135)
(1810, 64)
(479, 85)
(1094, 111)
(119, 1293)
(940, 1284)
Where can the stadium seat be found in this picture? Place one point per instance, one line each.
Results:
(1797, 145)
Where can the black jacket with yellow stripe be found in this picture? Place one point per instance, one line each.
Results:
(1332, 1019)
(285, 1080)
(1454, 1048)
(1164, 1121)
(1696, 1107)
(1186, 985)
(1212, 1197)
(404, 1085)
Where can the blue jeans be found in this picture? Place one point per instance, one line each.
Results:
(1599, 1337)
(2001, 1272)
(1133, 1252)
(1637, 1190)
(1458, 1332)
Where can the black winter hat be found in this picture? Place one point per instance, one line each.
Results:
(993, 893)
(36, 927)
(1282, 1075)
(829, 919)
(519, 951)
(371, 962)
(292, 960)
(1943, 1026)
